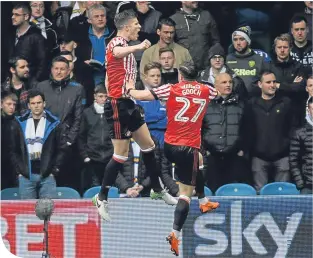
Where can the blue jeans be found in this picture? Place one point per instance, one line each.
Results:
(37, 187)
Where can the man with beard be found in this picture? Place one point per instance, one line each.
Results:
(18, 83)
(301, 50)
(8, 105)
(244, 61)
(267, 128)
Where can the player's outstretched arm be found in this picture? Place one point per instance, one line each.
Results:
(142, 94)
(161, 92)
(120, 52)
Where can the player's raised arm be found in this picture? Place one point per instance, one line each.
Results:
(141, 94)
(120, 52)
(161, 92)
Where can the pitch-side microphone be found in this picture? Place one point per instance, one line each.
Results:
(44, 208)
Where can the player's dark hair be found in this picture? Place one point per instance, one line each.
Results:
(188, 70)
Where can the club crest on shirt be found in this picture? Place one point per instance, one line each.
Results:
(251, 63)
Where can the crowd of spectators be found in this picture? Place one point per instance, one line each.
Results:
(257, 55)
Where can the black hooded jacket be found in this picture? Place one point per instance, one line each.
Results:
(31, 45)
(285, 73)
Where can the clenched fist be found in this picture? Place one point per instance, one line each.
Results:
(144, 45)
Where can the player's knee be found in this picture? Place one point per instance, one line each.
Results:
(183, 204)
(149, 149)
(120, 158)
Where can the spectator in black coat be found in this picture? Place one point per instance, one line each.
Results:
(8, 104)
(46, 27)
(307, 13)
(61, 20)
(301, 153)
(28, 42)
(223, 136)
(301, 50)
(290, 77)
(96, 149)
(268, 126)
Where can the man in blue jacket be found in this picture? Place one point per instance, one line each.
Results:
(34, 150)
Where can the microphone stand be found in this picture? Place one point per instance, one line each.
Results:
(45, 239)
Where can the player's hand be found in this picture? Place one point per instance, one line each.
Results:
(87, 62)
(144, 45)
(132, 193)
(298, 79)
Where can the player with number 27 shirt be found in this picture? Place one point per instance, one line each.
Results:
(186, 104)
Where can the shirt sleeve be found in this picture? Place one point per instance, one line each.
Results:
(116, 42)
(213, 93)
(162, 92)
